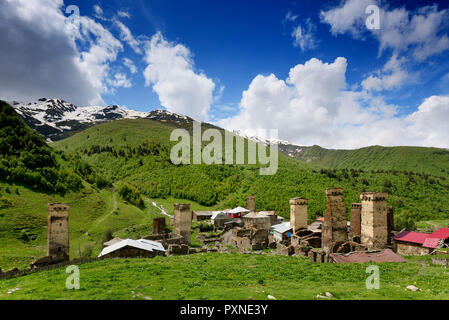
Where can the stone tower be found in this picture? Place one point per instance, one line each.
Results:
(356, 219)
(374, 220)
(182, 220)
(390, 225)
(58, 232)
(335, 226)
(298, 213)
(251, 203)
(159, 225)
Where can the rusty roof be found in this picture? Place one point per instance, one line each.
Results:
(362, 257)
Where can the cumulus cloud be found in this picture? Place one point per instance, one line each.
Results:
(120, 80)
(304, 36)
(422, 31)
(39, 56)
(348, 17)
(170, 72)
(391, 76)
(314, 106)
(428, 125)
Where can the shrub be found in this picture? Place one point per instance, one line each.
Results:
(131, 195)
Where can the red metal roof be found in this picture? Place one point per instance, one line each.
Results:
(362, 257)
(431, 243)
(442, 233)
(410, 236)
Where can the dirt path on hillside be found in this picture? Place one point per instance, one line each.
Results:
(114, 208)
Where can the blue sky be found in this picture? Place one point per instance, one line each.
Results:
(234, 41)
(310, 69)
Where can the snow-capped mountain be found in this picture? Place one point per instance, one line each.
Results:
(284, 146)
(56, 119)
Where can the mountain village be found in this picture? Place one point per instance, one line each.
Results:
(369, 235)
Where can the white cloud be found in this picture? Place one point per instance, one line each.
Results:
(120, 80)
(98, 10)
(123, 14)
(127, 36)
(304, 36)
(428, 125)
(422, 31)
(391, 76)
(171, 74)
(290, 17)
(130, 65)
(314, 106)
(348, 17)
(40, 58)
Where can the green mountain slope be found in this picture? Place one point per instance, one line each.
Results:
(137, 151)
(32, 174)
(104, 158)
(201, 277)
(432, 161)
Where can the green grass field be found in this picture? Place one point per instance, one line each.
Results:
(232, 276)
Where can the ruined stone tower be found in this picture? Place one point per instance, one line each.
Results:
(374, 220)
(159, 226)
(58, 231)
(182, 220)
(335, 229)
(356, 219)
(251, 203)
(298, 213)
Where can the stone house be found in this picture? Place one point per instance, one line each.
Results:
(416, 243)
(133, 248)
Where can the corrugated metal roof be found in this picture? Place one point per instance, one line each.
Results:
(431, 243)
(282, 227)
(362, 257)
(216, 213)
(410, 236)
(147, 245)
(204, 213)
(238, 210)
(442, 233)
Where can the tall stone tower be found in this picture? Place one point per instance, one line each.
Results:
(182, 220)
(335, 226)
(298, 213)
(356, 219)
(251, 203)
(374, 220)
(390, 226)
(58, 231)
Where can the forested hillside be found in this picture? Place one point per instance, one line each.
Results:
(432, 161)
(137, 152)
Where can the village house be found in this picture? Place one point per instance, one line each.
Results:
(416, 243)
(237, 212)
(219, 219)
(281, 232)
(201, 215)
(133, 248)
(257, 221)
